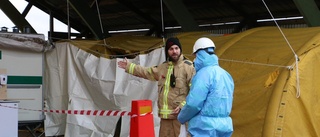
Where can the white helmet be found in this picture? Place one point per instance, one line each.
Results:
(203, 43)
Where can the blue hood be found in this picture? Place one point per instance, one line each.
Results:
(204, 59)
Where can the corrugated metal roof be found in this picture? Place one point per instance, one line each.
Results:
(139, 14)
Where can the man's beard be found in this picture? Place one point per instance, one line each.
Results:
(174, 60)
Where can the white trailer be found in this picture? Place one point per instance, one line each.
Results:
(24, 70)
(24, 84)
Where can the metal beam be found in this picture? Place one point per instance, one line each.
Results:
(88, 16)
(147, 17)
(59, 15)
(26, 10)
(14, 15)
(55, 36)
(309, 11)
(249, 20)
(182, 15)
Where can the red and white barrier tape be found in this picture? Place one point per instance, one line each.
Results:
(84, 112)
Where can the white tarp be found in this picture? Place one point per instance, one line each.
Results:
(78, 80)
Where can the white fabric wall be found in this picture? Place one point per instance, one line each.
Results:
(77, 80)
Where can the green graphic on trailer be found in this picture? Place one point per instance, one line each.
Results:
(24, 80)
(0, 55)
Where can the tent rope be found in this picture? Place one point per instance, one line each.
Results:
(101, 26)
(162, 21)
(255, 63)
(298, 80)
(163, 40)
(156, 47)
(68, 16)
(295, 55)
(122, 55)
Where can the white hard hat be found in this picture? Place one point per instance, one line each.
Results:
(203, 43)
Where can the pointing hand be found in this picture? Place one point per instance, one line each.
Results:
(123, 64)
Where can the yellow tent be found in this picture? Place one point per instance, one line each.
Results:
(277, 88)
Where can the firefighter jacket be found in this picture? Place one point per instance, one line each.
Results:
(172, 89)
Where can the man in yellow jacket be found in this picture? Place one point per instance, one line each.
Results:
(174, 77)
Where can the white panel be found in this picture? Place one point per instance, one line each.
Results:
(8, 119)
(21, 63)
(29, 99)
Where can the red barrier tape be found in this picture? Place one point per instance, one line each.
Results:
(83, 112)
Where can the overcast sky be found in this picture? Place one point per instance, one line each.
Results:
(37, 18)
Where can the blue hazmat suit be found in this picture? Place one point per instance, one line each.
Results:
(209, 102)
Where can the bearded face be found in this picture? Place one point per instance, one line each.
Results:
(174, 53)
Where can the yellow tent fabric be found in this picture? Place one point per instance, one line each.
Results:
(119, 46)
(275, 95)
(266, 98)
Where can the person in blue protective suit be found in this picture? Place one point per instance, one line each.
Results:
(209, 102)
